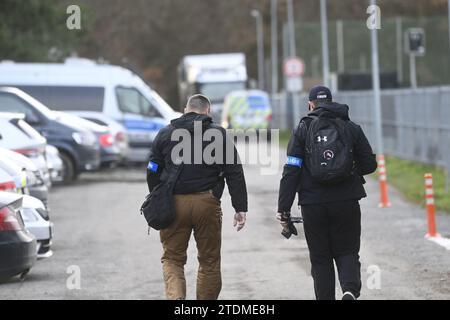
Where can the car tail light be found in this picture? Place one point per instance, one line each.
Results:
(7, 186)
(120, 137)
(29, 152)
(8, 220)
(106, 140)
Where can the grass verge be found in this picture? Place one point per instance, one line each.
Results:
(284, 137)
(407, 177)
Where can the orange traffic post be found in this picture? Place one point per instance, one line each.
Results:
(384, 198)
(431, 209)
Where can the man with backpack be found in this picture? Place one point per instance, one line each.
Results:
(197, 190)
(328, 155)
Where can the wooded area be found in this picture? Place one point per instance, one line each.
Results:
(150, 36)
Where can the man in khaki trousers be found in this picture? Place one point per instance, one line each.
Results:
(197, 196)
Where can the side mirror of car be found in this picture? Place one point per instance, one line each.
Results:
(32, 119)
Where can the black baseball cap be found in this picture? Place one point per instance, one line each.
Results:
(320, 93)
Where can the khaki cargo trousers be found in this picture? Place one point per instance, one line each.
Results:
(200, 213)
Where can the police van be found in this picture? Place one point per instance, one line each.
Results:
(84, 85)
(247, 109)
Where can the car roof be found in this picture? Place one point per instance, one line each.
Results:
(247, 93)
(74, 71)
(5, 176)
(19, 159)
(7, 198)
(12, 168)
(89, 125)
(11, 115)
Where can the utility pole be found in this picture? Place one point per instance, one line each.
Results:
(325, 56)
(448, 8)
(412, 71)
(340, 45)
(291, 24)
(285, 46)
(260, 47)
(399, 40)
(378, 119)
(376, 87)
(274, 45)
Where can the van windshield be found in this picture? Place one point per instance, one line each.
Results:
(133, 101)
(217, 91)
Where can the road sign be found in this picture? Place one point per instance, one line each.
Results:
(415, 41)
(294, 67)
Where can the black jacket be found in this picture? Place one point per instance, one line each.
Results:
(298, 179)
(194, 176)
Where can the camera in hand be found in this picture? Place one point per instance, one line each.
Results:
(290, 229)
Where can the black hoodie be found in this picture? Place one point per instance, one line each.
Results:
(198, 177)
(298, 179)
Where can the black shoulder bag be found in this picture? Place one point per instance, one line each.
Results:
(158, 207)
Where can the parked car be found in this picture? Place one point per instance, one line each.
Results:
(17, 245)
(19, 136)
(35, 184)
(34, 214)
(16, 174)
(37, 220)
(117, 130)
(78, 147)
(83, 85)
(6, 183)
(109, 152)
(247, 109)
(54, 163)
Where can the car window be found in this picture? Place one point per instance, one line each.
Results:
(97, 121)
(132, 101)
(64, 98)
(10, 103)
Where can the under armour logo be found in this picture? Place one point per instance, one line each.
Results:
(320, 139)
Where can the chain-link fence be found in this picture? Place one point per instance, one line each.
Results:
(432, 69)
(416, 123)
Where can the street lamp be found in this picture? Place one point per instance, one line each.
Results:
(324, 29)
(274, 45)
(290, 16)
(260, 46)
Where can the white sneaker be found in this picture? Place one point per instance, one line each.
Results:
(348, 296)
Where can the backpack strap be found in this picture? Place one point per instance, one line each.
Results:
(308, 119)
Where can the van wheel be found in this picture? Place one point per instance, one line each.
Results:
(69, 173)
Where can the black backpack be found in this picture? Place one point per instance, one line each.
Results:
(329, 148)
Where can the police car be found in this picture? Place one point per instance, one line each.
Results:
(247, 109)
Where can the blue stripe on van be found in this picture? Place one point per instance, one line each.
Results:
(144, 125)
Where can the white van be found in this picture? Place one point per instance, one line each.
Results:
(84, 85)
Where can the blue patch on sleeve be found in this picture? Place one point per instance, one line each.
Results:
(293, 161)
(152, 166)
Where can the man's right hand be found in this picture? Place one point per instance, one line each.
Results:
(281, 220)
(239, 220)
